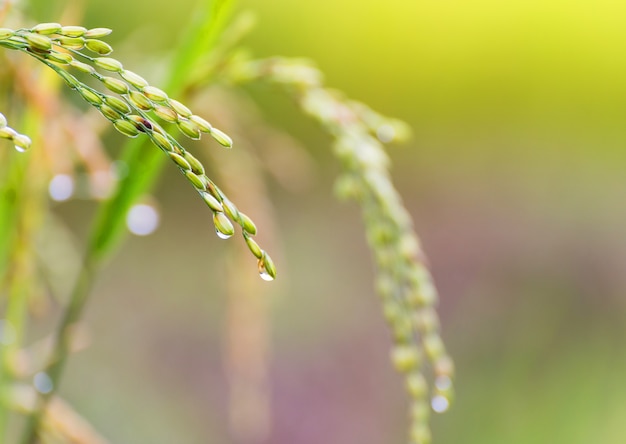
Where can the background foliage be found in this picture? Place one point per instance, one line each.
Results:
(514, 177)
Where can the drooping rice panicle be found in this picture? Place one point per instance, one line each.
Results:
(133, 108)
(404, 281)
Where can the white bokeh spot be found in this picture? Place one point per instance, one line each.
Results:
(61, 187)
(142, 219)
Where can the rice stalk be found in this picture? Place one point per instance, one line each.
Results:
(134, 110)
(404, 281)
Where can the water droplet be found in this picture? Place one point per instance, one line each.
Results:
(142, 219)
(7, 332)
(22, 142)
(61, 187)
(440, 403)
(263, 272)
(223, 226)
(43, 383)
(265, 276)
(223, 235)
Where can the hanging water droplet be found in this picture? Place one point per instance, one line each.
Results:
(265, 276)
(263, 272)
(223, 226)
(440, 403)
(223, 235)
(22, 142)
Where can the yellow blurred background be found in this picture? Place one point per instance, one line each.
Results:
(515, 179)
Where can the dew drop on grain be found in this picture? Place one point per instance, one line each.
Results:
(263, 272)
(223, 235)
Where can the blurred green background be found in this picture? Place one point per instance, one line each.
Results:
(515, 179)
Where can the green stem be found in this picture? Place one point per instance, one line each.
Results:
(14, 319)
(144, 165)
(21, 205)
(62, 344)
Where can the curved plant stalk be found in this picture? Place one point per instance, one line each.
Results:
(61, 423)
(39, 88)
(143, 162)
(26, 201)
(403, 281)
(13, 172)
(133, 111)
(135, 108)
(20, 286)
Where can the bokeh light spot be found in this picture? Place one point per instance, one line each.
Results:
(61, 187)
(43, 383)
(142, 219)
(440, 403)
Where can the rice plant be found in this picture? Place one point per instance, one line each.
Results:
(142, 112)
